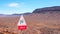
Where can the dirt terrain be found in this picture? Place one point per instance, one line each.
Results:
(36, 24)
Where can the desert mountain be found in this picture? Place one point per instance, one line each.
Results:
(47, 9)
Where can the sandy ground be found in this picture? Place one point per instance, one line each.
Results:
(36, 24)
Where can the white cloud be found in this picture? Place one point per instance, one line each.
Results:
(13, 5)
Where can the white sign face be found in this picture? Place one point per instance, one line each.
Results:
(21, 21)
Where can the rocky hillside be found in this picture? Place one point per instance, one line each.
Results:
(36, 24)
(47, 9)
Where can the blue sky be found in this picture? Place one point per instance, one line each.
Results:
(23, 6)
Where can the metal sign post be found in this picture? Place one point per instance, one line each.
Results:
(21, 32)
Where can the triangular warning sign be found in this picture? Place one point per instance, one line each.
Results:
(22, 24)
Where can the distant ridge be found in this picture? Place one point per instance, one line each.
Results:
(47, 9)
(22, 14)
